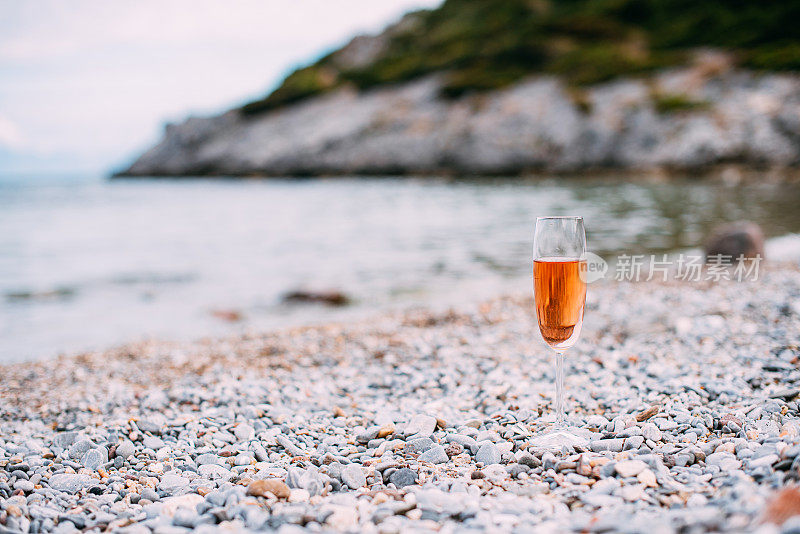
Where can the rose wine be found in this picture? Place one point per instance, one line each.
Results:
(560, 294)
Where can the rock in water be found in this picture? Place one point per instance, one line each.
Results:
(331, 298)
(736, 239)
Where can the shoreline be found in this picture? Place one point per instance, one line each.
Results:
(733, 173)
(782, 251)
(417, 419)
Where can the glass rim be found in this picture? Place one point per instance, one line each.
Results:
(576, 217)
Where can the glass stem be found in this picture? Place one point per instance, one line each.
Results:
(561, 420)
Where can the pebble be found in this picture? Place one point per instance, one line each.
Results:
(69, 483)
(632, 492)
(765, 460)
(243, 459)
(724, 460)
(214, 471)
(648, 478)
(421, 421)
(403, 477)
(64, 440)
(696, 500)
(290, 447)
(149, 494)
(613, 445)
(208, 459)
(244, 432)
(526, 458)
(421, 425)
(94, 458)
(488, 454)
(79, 448)
(353, 476)
(648, 413)
(263, 488)
(170, 483)
(435, 455)
(23, 485)
(651, 432)
(418, 445)
(125, 449)
(633, 442)
(184, 517)
(629, 468)
(467, 442)
(153, 442)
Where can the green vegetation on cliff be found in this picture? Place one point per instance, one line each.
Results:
(486, 44)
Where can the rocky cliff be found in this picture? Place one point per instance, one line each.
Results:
(683, 119)
(509, 86)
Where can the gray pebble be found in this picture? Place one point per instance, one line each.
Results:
(651, 432)
(152, 442)
(403, 477)
(125, 449)
(24, 485)
(79, 448)
(420, 425)
(488, 454)
(172, 482)
(185, 517)
(418, 445)
(633, 442)
(612, 444)
(353, 476)
(465, 441)
(94, 458)
(149, 494)
(434, 455)
(208, 459)
(244, 432)
(65, 440)
(69, 483)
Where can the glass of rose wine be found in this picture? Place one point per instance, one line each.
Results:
(559, 288)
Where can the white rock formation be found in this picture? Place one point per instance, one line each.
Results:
(535, 125)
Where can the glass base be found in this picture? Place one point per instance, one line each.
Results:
(557, 437)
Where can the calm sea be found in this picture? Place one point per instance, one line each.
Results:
(88, 263)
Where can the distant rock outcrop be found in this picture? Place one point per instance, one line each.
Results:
(684, 118)
(512, 86)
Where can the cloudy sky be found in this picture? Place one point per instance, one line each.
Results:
(86, 84)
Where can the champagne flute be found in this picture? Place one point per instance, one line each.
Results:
(559, 286)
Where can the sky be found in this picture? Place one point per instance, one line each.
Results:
(86, 85)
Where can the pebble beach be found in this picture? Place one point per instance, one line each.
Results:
(422, 421)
